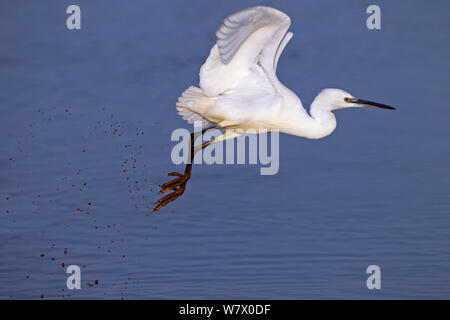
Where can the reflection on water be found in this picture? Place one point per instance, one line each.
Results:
(85, 141)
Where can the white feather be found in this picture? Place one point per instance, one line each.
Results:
(239, 87)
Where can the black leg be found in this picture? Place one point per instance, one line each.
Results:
(178, 185)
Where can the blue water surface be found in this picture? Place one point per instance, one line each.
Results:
(85, 126)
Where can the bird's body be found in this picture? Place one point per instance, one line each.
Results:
(238, 83)
(239, 88)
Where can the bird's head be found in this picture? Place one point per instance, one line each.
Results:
(335, 99)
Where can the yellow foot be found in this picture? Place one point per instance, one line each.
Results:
(178, 186)
(182, 179)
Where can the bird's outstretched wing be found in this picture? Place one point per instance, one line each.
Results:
(267, 26)
(252, 36)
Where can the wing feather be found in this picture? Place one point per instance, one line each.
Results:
(248, 42)
(238, 28)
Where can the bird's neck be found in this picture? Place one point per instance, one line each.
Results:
(319, 123)
(324, 121)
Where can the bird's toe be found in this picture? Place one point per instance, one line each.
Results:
(176, 174)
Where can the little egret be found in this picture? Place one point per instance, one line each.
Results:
(239, 89)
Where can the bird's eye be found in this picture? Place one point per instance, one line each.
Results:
(346, 99)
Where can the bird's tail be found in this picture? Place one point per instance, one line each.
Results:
(193, 104)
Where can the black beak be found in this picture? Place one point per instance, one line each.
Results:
(368, 103)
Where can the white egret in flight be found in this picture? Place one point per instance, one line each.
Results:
(239, 89)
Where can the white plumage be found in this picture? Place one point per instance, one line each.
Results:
(239, 87)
